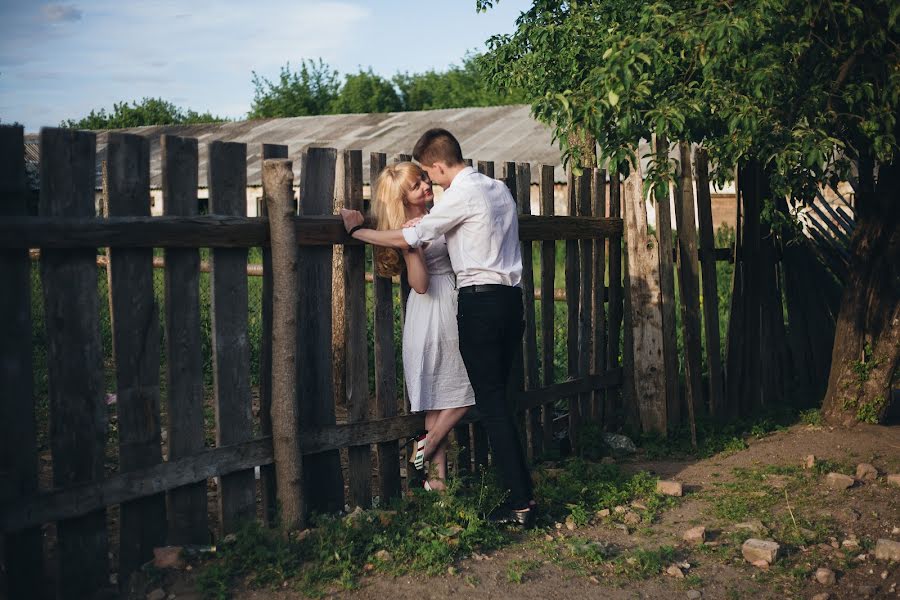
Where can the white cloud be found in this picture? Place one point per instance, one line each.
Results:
(60, 13)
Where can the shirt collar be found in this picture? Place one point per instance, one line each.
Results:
(465, 171)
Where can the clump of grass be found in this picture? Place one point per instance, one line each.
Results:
(517, 569)
(812, 416)
(641, 564)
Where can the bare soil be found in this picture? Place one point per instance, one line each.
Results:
(869, 511)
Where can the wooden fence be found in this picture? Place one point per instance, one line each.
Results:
(161, 489)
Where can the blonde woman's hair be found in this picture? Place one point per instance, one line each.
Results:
(389, 209)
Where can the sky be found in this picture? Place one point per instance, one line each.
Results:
(61, 60)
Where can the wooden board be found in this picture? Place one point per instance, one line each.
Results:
(267, 472)
(667, 290)
(646, 316)
(573, 285)
(706, 253)
(230, 342)
(480, 447)
(386, 390)
(356, 336)
(187, 509)
(613, 401)
(585, 295)
(548, 308)
(135, 327)
(323, 480)
(78, 413)
(598, 300)
(23, 557)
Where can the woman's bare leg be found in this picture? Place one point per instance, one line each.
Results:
(444, 421)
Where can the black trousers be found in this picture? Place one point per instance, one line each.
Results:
(490, 335)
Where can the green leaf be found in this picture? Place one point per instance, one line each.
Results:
(613, 98)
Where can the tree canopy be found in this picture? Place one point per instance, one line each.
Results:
(149, 111)
(802, 86)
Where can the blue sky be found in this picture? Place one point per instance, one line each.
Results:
(60, 60)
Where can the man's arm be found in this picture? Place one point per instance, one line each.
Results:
(389, 239)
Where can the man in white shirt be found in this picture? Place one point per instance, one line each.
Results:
(477, 215)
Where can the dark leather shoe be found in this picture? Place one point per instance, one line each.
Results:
(518, 518)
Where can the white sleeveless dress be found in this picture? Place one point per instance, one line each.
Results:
(435, 374)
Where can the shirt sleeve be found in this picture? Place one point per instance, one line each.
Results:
(446, 214)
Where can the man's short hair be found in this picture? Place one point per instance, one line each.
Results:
(438, 145)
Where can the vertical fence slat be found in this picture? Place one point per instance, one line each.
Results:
(585, 295)
(529, 344)
(667, 288)
(548, 308)
(357, 353)
(227, 173)
(267, 472)
(689, 286)
(386, 398)
(135, 319)
(479, 433)
(74, 358)
(709, 281)
(573, 284)
(645, 315)
(278, 185)
(517, 381)
(613, 404)
(323, 482)
(22, 551)
(598, 356)
(184, 352)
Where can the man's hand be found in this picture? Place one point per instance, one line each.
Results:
(351, 218)
(411, 222)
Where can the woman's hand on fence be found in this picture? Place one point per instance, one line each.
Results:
(351, 218)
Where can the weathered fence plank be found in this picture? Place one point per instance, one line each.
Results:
(230, 342)
(386, 397)
(74, 358)
(135, 328)
(479, 433)
(646, 322)
(240, 232)
(573, 284)
(22, 551)
(667, 288)
(517, 381)
(322, 478)
(548, 308)
(355, 334)
(613, 403)
(709, 281)
(689, 286)
(278, 183)
(184, 372)
(267, 488)
(585, 295)
(598, 300)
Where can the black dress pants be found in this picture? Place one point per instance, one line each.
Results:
(490, 336)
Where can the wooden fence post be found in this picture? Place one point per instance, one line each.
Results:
(613, 406)
(585, 310)
(386, 396)
(74, 358)
(688, 272)
(231, 346)
(186, 505)
(267, 488)
(479, 433)
(135, 327)
(278, 183)
(22, 552)
(710, 287)
(323, 482)
(667, 288)
(355, 335)
(646, 317)
(573, 285)
(598, 355)
(548, 305)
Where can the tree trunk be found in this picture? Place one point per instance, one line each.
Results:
(867, 338)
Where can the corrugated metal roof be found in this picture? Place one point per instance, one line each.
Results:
(493, 133)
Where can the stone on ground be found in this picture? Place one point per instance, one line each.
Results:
(866, 472)
(754, 525)
(620, 444)
(894, 479)
(887, 550)
(810, 461)
(839, 481)
(695, 535)
(603, 513)
(694, 594)
(669, 488)
(631, 518)
(755, 550)
(825, 576)
(157, 594)
(822, 596)
(168, 557)
(675, 572)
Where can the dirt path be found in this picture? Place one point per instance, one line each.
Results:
(762, 484)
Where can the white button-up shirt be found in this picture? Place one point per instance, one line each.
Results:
(478, 216)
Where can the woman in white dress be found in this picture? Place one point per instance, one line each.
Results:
(436, 379)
